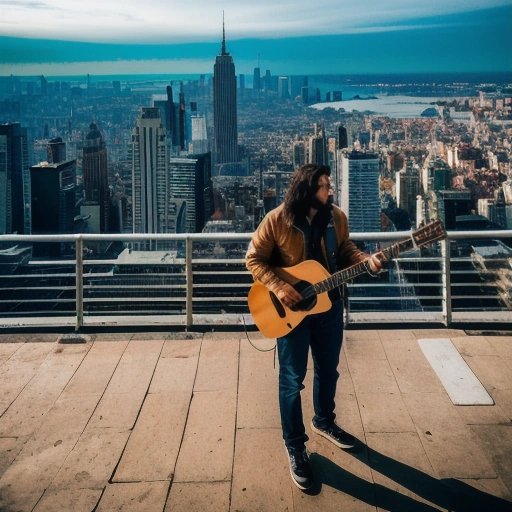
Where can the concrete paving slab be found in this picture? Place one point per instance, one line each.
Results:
(257, 371)
(450, 445)
(428, 409)
(76, 500)
(398, 335)
(19, 370)
(456, 453)
(265, 345)
(403, 473)
(261, 478)
(338, 491)
(223, 335)
(345, 383)
(10, 447)
(7, 350)
(154, 443)
(135, 368)
(92, 461)
(348, 414)
(134, 497)
(501, 344)
(372, 375)
(384, 412)
(258, 408)
(181, 348)
(258, 402)
(198, 497)
(174, 374)
(26, 413)
(476, 495)
(503, 399)
(24, 482)
(400, 346)
(218, 365)
(96, 369)
(494, 372)
(474, 346)
(364, 334)
(497, 442)
(206, 453)
(491, 486)
(438, 333)
(349, 418)
(413, 373)
(116, 410)
(362, 347)
(482, 415)
(459, 381)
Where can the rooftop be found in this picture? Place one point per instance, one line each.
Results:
(189, 421)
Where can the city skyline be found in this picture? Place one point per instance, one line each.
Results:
(404, 37)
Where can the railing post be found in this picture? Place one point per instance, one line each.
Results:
(446, 281)
(189, 281)
(79, 273)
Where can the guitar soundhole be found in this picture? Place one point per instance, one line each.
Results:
(279, 307)
(307, 303)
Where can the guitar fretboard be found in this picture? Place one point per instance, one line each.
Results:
(338, 278)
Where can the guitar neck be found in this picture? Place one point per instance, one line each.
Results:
(339, 278)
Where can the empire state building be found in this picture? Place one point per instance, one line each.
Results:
(224, 106)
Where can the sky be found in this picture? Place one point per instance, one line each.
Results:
(63, 37)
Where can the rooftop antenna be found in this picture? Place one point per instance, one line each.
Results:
(223, 50)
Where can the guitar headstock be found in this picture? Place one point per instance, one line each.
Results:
(430, 233)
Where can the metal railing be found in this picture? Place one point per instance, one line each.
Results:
(201, 280)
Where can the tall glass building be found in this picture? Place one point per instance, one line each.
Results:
(359, 181)
(150, 174)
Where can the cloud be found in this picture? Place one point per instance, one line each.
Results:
(200, 20)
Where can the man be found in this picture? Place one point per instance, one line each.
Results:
(307, 226)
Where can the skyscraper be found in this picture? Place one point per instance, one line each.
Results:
(224, 107)
(408, 188)
(316, 147)
(56, 151)
(256, 79)
(359, 180)
(150, 174)
(53, 204)
(95, 173)
(15, 214)
(190, 183)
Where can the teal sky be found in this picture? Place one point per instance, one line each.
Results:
(407, 39)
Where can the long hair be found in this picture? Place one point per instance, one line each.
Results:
(302, 189)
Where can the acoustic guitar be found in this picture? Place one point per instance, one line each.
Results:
(313, 281)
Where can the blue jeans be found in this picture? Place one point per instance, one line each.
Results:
(324, 334)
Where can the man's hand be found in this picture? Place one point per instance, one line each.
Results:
(288, 295)
(374, 263)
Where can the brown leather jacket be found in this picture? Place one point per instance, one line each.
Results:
(277, 244)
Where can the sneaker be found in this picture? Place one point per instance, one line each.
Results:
(336, 435)
(300, 468)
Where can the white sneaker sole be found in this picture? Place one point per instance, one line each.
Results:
(300, 486)
(344, 446)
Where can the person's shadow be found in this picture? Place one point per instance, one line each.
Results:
(450, 494)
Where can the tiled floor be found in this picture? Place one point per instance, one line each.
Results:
(148, 423)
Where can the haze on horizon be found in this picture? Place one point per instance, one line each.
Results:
(157, 36)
